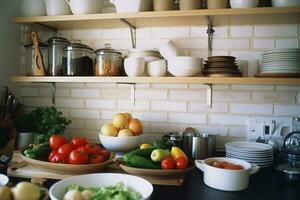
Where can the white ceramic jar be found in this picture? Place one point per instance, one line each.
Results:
(57, 7)
(225, 179)
(134, 66)
(285, 3)
(80, 7)
(243, 3)
(123, 6)
(33, 8)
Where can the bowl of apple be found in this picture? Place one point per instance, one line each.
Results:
(122, 134)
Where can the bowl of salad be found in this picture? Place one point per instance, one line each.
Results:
(104, 186)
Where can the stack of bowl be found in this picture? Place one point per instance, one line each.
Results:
(221, 66)
(185, 66)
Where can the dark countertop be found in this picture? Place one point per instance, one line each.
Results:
(265, 185)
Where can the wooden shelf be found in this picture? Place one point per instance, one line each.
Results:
(199, 80)
(146, 18)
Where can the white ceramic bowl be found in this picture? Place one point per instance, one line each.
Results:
(285, 3)
(138, 184)
(3, 180)
(243, 3)
(225, 179)
(79, 7)
(183, 73)
(169, 50)
(33, 8)
(57, 7)
(119, 144)
(123, 6)
(157, 68)
(134, 66)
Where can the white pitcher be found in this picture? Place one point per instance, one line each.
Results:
(57, 7)
(80, 7)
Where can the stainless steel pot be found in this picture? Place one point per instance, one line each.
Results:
(24, 139)
(203, 146)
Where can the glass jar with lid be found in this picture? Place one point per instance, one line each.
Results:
(78, 60)
(56, 46)
(108, 62)
(30, 55)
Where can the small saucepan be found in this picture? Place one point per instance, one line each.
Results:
(233, 177)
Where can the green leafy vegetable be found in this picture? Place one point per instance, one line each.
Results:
(116, 192)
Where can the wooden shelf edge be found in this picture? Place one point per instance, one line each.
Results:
(159, 14)
(199, 80)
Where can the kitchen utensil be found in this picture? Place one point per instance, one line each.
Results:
(134, 66)
(203, 146)
(68, 168)
(3, 180)
(217, 4)
(292, 143)
(123, 6)
(4, 96)
(289, 173)
(159, 5)
(56, 46)
(39, 66)
(23, 140)
(57, 7)
(243, 3)
(33, 8)
(285, 3)
(78, 60)
(173, 138)
(224, 179)
(187, 144)
(190, 4)
(157, 68)
(169, 50)
(138, 184)
(9, 104)
(296, 124)
(108, 62)
(79, 7)
(30, 57)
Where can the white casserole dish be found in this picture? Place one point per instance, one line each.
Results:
(225, 179)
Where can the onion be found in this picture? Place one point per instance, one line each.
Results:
(135, 126)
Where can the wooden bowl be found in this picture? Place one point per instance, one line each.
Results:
(68, 168)
(155, 172)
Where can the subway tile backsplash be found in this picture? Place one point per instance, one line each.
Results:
(173, 107)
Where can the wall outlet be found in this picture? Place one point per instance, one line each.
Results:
(266, 127)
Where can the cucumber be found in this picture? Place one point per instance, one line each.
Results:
(141, 162)
(38, 151)
(140, 152)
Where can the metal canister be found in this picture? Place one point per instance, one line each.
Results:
(187, 144)
(203, 146)
(174, 137)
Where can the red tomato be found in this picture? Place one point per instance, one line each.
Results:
(96, 158)
(167, 163)
(52, 153)
(57, 141)
(66, 149)
(79, 141)
(92, 148)
(82, 148)
(78, 157)
(59, 158)
(182, 163)
(105, 154)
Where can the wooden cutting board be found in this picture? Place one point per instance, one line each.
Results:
(19, 168)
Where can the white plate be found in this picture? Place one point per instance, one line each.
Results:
(3, 180)
(138, 184)
(287, 50)
(268, 159)
(249, 146)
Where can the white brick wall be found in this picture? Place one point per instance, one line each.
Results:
(173, 107)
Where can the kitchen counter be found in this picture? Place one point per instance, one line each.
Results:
(265, 185)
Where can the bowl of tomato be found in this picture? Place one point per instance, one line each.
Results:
(75, 156)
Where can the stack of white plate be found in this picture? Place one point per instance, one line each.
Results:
(281, 61)
(252, 152)
(185, 66)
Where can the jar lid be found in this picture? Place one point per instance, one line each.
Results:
(41, 44)
(107, 49)
(77, 45)
(289, 169)
(58, 40)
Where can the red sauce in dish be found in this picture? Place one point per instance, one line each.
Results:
(225, 165)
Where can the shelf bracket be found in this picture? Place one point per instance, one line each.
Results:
(209, 95)
(53, 95)
(132, 92)
(210, 32)
(132, 32)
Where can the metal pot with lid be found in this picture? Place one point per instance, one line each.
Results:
(78, 60)
(56, 46)
(108, 62)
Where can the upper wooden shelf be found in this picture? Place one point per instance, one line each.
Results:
(146, 18)
(199, 80)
